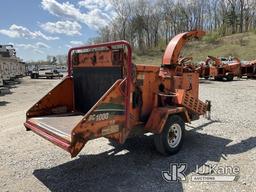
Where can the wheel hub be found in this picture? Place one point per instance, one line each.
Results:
(174, 135)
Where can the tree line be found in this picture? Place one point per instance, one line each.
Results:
(51, 60)
(146, 23)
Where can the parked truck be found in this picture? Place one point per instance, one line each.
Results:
(48, 73)
(106, 95)
(4, 64)
(12, 67)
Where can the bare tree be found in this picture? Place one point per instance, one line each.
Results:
(145, 22)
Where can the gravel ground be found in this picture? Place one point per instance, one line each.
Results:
(30, 163)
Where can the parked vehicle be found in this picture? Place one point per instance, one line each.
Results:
(48, 73)
(248, 69)
(11, 66)
(220, 68)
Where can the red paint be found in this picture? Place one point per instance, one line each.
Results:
(54, 139)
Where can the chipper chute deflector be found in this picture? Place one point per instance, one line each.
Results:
(105, 95)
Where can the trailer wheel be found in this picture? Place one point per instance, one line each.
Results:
(218, 78)
(34, 75)
(230, 77)
(170, 140)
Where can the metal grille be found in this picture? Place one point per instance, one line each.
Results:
(194, 104)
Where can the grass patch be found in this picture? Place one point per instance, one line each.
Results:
(211, 37)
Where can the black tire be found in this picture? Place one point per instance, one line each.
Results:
(163, 142)
(218, 78)
(230, 77)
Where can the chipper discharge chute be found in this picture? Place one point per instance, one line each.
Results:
(105, 95)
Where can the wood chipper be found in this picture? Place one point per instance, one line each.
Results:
(249, 69)
(105, 95)
(219, 70)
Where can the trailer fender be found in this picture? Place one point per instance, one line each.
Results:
(159, 116)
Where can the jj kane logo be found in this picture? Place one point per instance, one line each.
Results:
(204, 173)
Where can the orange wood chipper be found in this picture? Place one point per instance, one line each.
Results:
(219, 70)
(105, 95)
(248, 69)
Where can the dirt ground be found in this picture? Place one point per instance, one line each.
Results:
(30, 163)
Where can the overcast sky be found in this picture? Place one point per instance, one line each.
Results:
(38, 28)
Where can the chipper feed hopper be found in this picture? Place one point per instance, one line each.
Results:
(105, 95)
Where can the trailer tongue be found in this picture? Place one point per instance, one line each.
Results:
(105, 95)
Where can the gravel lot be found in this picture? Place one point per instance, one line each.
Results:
(30, 163)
